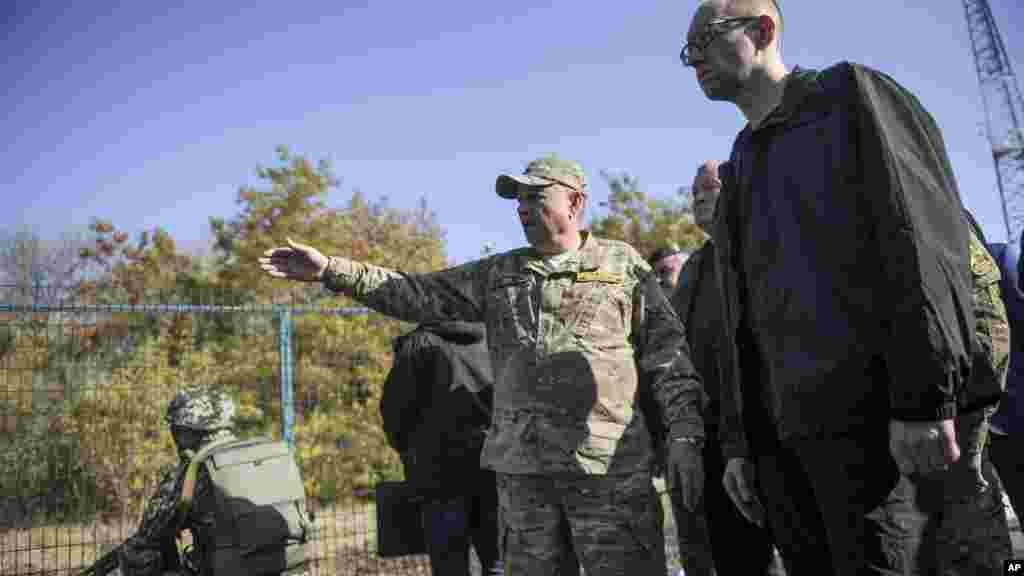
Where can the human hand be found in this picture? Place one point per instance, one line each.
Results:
(294, 262)
(923, 447)
(685, 471)
(739, 485)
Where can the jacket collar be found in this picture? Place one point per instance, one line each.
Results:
(586, 257)
(800, 84)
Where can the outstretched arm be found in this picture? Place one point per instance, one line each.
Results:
(452, 294)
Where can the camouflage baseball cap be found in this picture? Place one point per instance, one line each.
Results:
(543, 172)
(201, 408)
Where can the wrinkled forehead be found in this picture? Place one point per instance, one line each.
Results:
(706, 12)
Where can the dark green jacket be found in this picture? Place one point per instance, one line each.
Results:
(436, 405)
(698, 305)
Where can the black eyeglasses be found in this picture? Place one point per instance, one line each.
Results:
(711, 32)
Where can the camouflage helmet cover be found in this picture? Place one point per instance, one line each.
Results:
(201, 408)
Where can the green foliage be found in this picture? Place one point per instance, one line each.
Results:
(38, 463)
(644, 221)
(44, 470)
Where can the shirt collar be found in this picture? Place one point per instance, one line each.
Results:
(584, 254)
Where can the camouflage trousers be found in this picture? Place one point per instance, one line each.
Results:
(552, 524)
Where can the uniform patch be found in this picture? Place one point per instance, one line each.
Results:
(600, 276)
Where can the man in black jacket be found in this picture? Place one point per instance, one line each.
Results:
(843, 264)
(436, 408)
(707, 538)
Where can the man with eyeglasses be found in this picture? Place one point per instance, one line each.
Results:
(587, 356)
(843, 265)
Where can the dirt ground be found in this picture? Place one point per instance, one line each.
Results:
(345, 545)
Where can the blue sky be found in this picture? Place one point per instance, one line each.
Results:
(153, 115)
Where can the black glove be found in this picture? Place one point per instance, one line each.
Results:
(685, 470)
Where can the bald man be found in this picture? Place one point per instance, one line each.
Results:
(843, 260)
(707, 538)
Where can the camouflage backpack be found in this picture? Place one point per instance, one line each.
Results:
(260, 521)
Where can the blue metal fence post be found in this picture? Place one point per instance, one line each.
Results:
(284, 337)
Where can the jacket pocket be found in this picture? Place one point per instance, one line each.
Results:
(510, 313)
(598, 311)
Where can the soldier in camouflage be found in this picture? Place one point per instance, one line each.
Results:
(198, 416)
(588, 357)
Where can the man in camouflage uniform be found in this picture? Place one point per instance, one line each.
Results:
(587, 354)
(197, 416)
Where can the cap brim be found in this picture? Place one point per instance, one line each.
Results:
(507, 186)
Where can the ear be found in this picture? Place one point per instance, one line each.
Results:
(765, 31)
(576, 199)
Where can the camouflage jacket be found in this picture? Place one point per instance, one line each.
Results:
(991, 347)
(568, 355)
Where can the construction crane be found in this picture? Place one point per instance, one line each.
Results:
(1004, 112)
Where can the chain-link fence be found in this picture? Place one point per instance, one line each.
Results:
(83, 387)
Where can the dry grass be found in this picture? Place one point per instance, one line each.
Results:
(345, 544)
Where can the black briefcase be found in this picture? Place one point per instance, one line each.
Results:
(399, 524)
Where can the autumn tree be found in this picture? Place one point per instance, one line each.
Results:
(126, 365)
(644, 221)
(293, 203)
(150, 269)
(340, 362)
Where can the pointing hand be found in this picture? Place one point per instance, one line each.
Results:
(294, 262)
